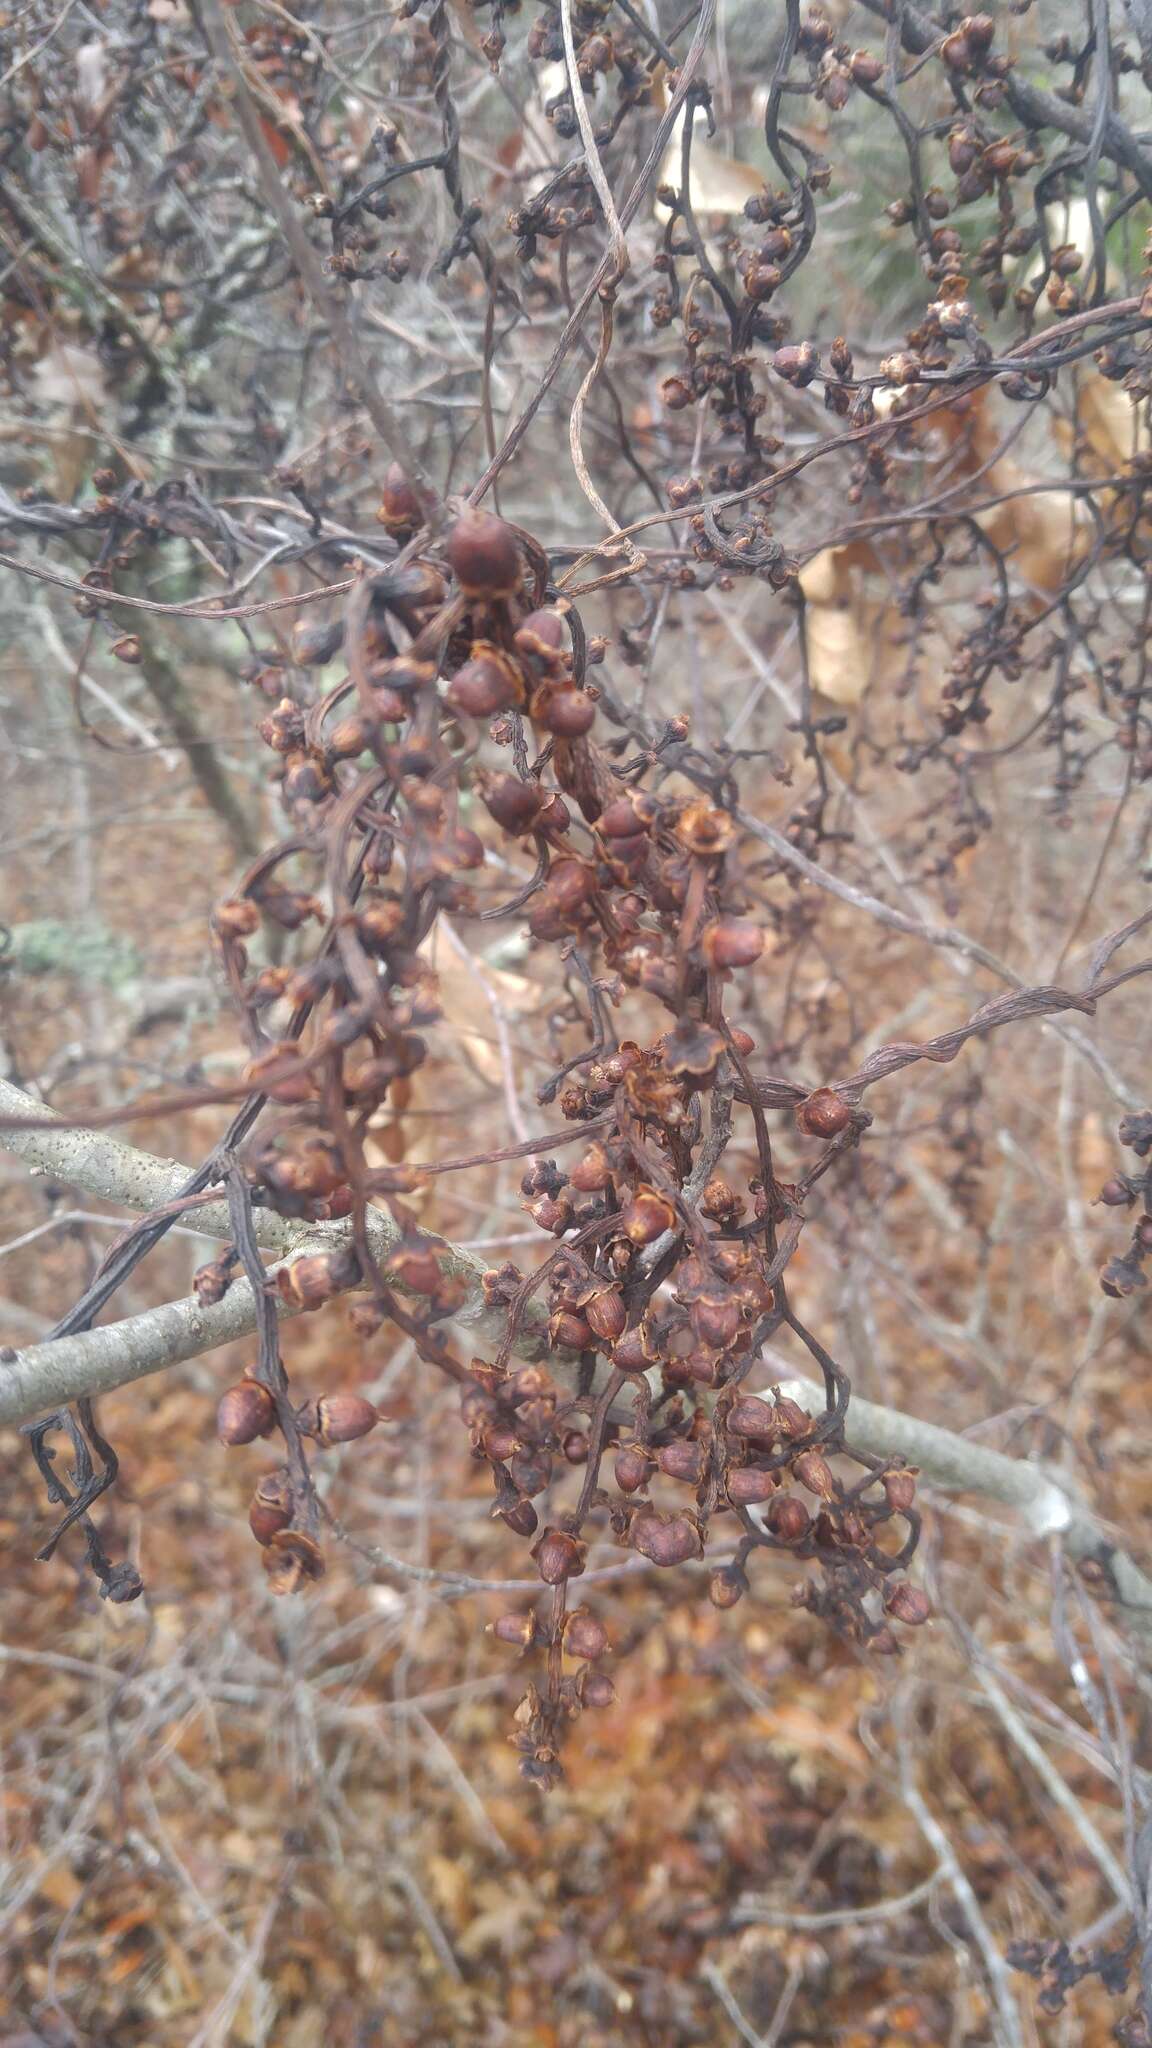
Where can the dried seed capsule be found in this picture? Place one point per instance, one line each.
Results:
(747, 1487)
(788, 1518)
(676, 394)
(290, 1559)
(272, 1506)
(812, 1469)
(541, 634)
(341, 1418)
(595, 1689)
(593, 1172)
(633, 1352)
(631, 1468)
(905, 1602)
(727, 1586)
(1117, 1193)
(683, 1461)
(570, 1332)
(605, 1312)
(793, 1420)
(484, 686)
(529, 1470)
(309, 1282)
(521, 1518)
(128, 649)
(237, 919)
(666, 1539)
(314, 642)
(245, 1412)
(797, 364)
(585, 1637)
(558, 1557)
(647, 1216)
(483, 556)
(519, 1630)
(899, 1490)
(568, 713)
(574, 1445)
(750, 1416)
(515, 805)
(823, 1114)
(400, 509)
(732, 942)
(866, 67)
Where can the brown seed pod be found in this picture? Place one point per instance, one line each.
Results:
(530, 1470)
(603, 1308)
(245, 1412)
(290, 1559)
(633, 1351)
(727, 1586)
(341, 1418)
(647, 1215)
(483, 556)
(797, 364)
(559, 1557)
(128, 649)
(750, 1416)
(519, 1630)
(905, 1602)
(812, 1469)
(823, 1114)
(631, 1468)
(515, 805)
(585, 1637)
(731, 942)
(788, 1518)
(569, 713)
(866, 67)
(666, 1539)
(272, 1506)
(520, 1517)
(683, 1461)
(569, 1332)
(676, 394)
(237, 919)
(595, 1689)
(593, 1172)
(400, 510)
(747, 1487)
(899, 1490)
(311, 1281)
(486, 684)
(541, 635)
(574, 1446)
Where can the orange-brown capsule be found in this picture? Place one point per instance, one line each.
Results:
(341, 1418)
(727, 1586)
(906, 1603)
(605, 1312)
(585, 1637)
(631, 1468)
(666, 1539)
(558, 1557)
(647, 1216)
(483, 556)
(595, 1689)
(271, 1507)
(788, 1518)
(747, 1487)
(245, 1412)
(290, 1559)
(486, 684)
(731, 942)
(812, 1469)
(750, 1416)
(236, 919)
(569, 713)
(823, 1114)
(517, 1629)
(400, 509)
(311, 1281)
(683, 1461)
